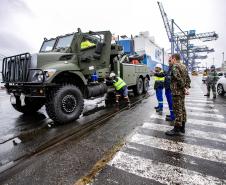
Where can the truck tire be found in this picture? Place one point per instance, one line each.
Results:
(146, 85)
(138, 88)
(220, 90)
(32, 105)
(65, 105)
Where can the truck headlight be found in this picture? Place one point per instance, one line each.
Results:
(49, 73)
(38, 77)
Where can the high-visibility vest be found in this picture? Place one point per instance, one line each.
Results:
(159, 79)
(119, 84)
(86, 44)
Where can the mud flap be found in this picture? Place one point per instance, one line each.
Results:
(12, 99)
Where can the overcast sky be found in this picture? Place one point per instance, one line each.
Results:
(24, 23)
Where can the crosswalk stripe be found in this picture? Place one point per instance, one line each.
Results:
(207, 105)
(206, 115)
(204, 101)
(160, 172)
(210, 154)
(207, 123)
(202, 109)
(216, 124)
(196, 98)
(189, 132)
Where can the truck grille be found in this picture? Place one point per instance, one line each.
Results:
(15, 68)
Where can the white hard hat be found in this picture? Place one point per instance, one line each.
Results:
(159, 66)
(112, 74)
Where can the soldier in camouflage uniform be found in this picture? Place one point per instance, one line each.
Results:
(211, 81)
(180, 82)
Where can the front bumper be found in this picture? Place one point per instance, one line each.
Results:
(30, 89)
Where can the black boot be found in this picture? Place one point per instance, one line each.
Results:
(128, 104)
(214, 96)
(174, 132)
(159, 111)
(157, 107)
(168, 118)
(208, 95)
(182, 128)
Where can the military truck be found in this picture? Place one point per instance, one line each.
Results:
(64, 72)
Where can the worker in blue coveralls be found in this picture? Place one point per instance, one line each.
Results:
(158, 86)
(168, 94)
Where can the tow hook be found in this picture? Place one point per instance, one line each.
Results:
(22, 98)
(12, 99)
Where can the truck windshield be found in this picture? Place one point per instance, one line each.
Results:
(48, 45)
(64, 42)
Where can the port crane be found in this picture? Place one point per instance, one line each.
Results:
(180, 41)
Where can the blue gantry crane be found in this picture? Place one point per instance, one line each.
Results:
(180, 41)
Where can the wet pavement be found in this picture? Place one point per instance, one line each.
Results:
(148, 156)
(198, 157)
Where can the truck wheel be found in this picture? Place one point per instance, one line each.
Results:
(32, 105)
(146, 85)
(138, 89)
(220, 90)
(65, 105)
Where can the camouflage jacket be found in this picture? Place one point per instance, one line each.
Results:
(179, 79)
(212, 77)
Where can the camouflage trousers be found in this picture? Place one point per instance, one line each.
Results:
(179, 109)
(211, 86)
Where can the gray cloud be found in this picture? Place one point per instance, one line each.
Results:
(10, 6)
(11, 44)
(10, 41)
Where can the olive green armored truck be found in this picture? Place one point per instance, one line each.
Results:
(66, 70)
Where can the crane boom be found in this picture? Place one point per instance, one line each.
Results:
(166, 22)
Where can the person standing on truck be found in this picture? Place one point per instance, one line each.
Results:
(211, 81)
(158, 86)
(120, 88)
(86, 44)
(180, 82)
(168, 93)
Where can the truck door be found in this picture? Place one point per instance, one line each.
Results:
(94, 53)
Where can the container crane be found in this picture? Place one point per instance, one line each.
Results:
(180, 42)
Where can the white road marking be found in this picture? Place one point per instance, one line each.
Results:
(197, 98)
(207, 123)
(204, 101)
(206, 115)
(206, 108)
(216, 124)
(161, 172)
(211, 154)
(202, 109)
(207, 105)
(190, 132)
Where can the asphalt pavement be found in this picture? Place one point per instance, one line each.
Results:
(151, 157)
(148, 156)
